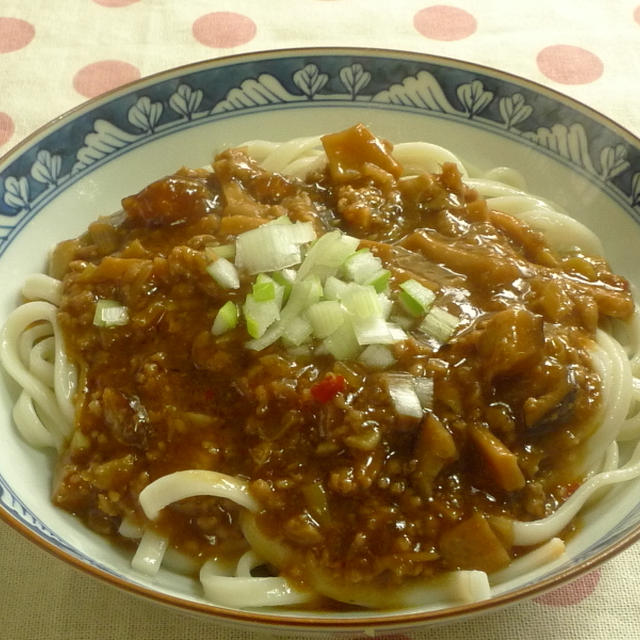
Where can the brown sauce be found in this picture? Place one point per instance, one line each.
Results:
(341, 479)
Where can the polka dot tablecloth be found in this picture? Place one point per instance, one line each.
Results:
(54, 55)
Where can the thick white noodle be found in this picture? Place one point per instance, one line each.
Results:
(537, 531)
(418, 157)
(39, 286)
(31, 336)
(247, 563)
(130, 529)
(628, 335)
(40, 360)
(453, 587)
(31, 427)
(612, 366)
(507, 176)
(611, 459)
(179, 562)
(246, 591)
(55, 403)
(548, 552)
(296, 158)
(150, 552)
(173, 560)
(193, 482)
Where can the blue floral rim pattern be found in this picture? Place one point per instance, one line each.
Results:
(207, 92)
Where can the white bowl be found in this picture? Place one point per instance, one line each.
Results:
(80, 166)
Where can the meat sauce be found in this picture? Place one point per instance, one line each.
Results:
(342, 480)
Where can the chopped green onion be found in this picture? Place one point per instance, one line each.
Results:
(379, 280)
(325, 317)
(285, 279)
(377, 357)
(372, 330)
(259, 315)
(415, 298)
(403, 395)
(227, 251)
(304, 293)
(264, 288)
(397, 333)
(403, 321)
(439, 324)
(283, 219)
(386, 305)
(296, 332)
(272, 247)
(424, 390)
(327, 254)
(296, 305)
(271, 335)
(362, 266)
(224, 273)
(226, 319)
(302, 351)
(362, 301)
(110, 313)
(334, 288)
(342, 344)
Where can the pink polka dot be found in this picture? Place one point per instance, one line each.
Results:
(393, 636)
(6, 128)
(636, 14)
(572, 593)
(115, 3)
(224, 29)
(569, 65)
(15, 34)
(444, 22)
(102, 76)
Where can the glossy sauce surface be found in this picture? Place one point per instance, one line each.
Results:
(344, 483)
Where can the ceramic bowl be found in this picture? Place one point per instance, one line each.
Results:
(81, 165)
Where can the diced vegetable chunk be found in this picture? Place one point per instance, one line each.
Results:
(226, 319)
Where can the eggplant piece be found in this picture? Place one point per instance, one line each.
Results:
(553, 409)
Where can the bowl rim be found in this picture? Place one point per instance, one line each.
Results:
(387, 619)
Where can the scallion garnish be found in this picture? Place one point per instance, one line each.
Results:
(226, 319)
(296, 332)
(439, 324)
(227, 251)
(325, 317)
(264, 288)
(272, 247)
(377, 357)
(415, 298)
(259, 315)
(362, 266)
(110, 313)
(224, 273)
(323, 289)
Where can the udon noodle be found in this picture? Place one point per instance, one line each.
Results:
(282, 558)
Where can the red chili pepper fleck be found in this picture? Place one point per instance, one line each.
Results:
(327, 388)
(571, 488)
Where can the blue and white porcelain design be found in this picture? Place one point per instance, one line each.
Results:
(189, 97)
(122, 140)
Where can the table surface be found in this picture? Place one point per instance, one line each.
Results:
(54, 55)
